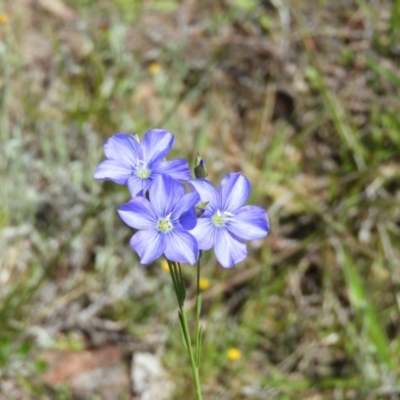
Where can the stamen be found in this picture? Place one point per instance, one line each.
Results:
(221, 219)
(165, 224)
(141, 170)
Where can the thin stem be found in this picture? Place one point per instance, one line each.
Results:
(195, 369)
(179, 288)
(198, 310)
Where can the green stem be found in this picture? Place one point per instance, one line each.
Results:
(195, 369)
(198, 310)
(178, 283)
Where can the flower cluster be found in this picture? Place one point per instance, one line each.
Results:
(169, 220)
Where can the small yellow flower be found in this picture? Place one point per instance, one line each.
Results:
(204, 283)
(234, 354)
(164, 266)
(3, 19)
(154, 68)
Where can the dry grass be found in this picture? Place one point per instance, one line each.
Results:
(304, 100)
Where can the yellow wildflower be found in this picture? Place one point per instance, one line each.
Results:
(204, 283)
(3, 19)
(234, 354)
(164, 266)
(154, 68)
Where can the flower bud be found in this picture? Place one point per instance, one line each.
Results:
(200, 208)
(136, 137)
(200, 169)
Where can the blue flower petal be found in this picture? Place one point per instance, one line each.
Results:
(177, 169)
(112, 170)
(123, 148)
(228, 250)
(156, 143)
(207, 192)
(185, 203)
(181, 246)
(188, 220)
(138, 213)
(149, 245)
(249, 223)
(165, 192)
(234, 191)
(204, 233)
(184, 211)
(137, 185)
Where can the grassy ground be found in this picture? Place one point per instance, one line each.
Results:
(304, 100)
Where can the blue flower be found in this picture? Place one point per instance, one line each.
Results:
(137, 164)
(163, 222)
(226, 221)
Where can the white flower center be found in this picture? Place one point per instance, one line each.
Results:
(141, 170)
(165, 224)
(221, 218)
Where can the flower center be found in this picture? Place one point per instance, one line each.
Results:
(165, 224)
(221, 218)
(141, 170)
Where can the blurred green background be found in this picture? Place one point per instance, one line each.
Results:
(302, 97)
